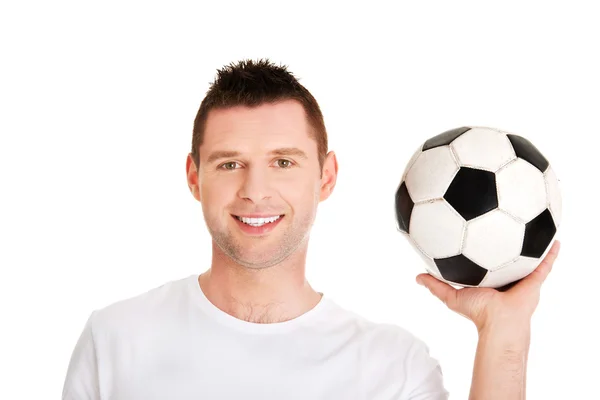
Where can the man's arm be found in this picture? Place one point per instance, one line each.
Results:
(500, 367)
(503, 320)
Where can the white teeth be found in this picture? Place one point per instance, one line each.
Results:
(258, 221)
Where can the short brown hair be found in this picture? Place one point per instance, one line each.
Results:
(253, 83)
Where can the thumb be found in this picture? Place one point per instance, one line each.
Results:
(443, 291)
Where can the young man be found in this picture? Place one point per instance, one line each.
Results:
(251, 326)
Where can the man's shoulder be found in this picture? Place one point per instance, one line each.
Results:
(380, 336)
(151, 303)
(394, 356)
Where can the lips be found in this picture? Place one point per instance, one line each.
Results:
(258, 221)
(256, 226)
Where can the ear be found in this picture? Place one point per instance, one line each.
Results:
(192, 177)
(329, 175)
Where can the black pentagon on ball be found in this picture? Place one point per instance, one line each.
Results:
(460, 270)
(538, 235)
(445, 138)
(527, 151)
(472, 192)
(404, 207)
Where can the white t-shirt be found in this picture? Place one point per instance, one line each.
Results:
(172, 343)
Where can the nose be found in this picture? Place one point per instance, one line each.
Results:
(255, 185)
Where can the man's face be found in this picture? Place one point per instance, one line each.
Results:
(259, 181)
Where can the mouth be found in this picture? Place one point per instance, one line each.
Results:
(258, 222)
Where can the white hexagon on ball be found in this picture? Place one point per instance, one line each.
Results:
(437, 229)
(554, 195)
(429, 263)
(431, 174)
(411, 161)
(483, 148)
(493, 240)
(521, 190)
(518, 269)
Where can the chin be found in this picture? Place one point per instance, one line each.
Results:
(249, 258)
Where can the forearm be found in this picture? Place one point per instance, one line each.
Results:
(500, 367)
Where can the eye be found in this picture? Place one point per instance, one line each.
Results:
(228, 165)
(283, 163)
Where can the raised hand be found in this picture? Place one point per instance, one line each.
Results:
(486, 306)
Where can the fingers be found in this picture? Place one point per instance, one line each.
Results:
(541, 272)
(539, 275)
(441, 290)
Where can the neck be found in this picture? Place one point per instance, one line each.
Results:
(261, 295)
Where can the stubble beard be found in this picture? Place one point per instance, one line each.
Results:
(253, 253)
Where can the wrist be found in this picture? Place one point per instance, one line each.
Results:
(509, 326)
(500, 364)
(514, 335)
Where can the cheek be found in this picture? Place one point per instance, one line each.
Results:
(300, 192)
(215, 193)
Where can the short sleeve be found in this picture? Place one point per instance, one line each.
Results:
(425, 377)
(81, 382)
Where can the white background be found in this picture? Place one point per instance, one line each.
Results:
(97, 104)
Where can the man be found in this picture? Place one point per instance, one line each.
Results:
(251, 326)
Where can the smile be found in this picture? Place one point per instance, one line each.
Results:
(256, 222)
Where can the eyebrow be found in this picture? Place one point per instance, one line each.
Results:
(282, 151)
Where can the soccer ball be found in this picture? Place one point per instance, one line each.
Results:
(480, 205)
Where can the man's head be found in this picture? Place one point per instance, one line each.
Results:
(259, 149)
(253, 83)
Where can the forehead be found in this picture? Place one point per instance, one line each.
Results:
(267, 126)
